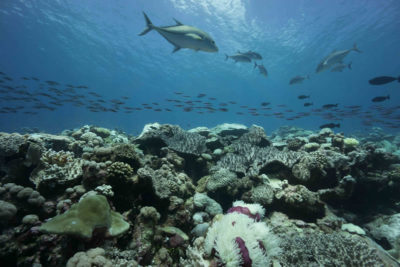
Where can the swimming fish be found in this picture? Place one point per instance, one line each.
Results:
(341, 67)
(238, 58)
(303, 96)
(330, 106)
(261, 68)
(383, 80)
(183, 36)
(251, 54)
(298, 79)
(334, 58)
(330, 125)
(380, 98)
(307, 104)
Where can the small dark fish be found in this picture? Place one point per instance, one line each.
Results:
(308, 104)
(298, 79)
(330, 106)
(82, 87)
(380, 98)
(383, 80)
(201, 95)
(188, 109)
(35, 79)
(125, 97)
(52, 83)
(303, 96)
(330, 125)
(353, 107)
(25, 78)
(223, 109)
(264, 104)
(7, 78)
(212, 98)
(117, 102)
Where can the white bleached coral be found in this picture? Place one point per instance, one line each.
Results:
(92, 257)
(239, 240)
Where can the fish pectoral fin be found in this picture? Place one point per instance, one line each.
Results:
(176, 49)
(178, 23)
(194, 36)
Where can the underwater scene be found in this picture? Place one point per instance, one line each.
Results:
(199, 133)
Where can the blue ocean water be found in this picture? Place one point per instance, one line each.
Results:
(96, 44)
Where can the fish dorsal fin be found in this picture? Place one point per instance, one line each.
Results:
(178, 23)
(194, 36)
(176, 48)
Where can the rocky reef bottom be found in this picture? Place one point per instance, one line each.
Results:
(225, 196)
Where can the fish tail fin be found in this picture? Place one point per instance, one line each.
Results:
(149, 25)
(226, 57)
(398, 79)
(355, 48)
(388, 97)
(255, 65)
(349, 65)
(338, 125)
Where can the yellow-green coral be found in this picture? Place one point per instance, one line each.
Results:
(350, 142)
(82, 218)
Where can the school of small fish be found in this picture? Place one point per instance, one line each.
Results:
(31, 94)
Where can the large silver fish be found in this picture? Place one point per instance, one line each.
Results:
(341, 67)
(183, 36)
(251, 54)
(334, 58)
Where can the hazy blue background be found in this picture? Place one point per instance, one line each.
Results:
(96, 43)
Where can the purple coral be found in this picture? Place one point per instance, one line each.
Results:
(244, 252)
(245, 211)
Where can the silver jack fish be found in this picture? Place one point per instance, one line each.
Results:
(183, 36)
(334, 58)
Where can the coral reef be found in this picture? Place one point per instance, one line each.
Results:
(300, 198)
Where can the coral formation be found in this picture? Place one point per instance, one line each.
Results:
(91, 258)
(329, 197)
(82, 218)
(238, 240)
